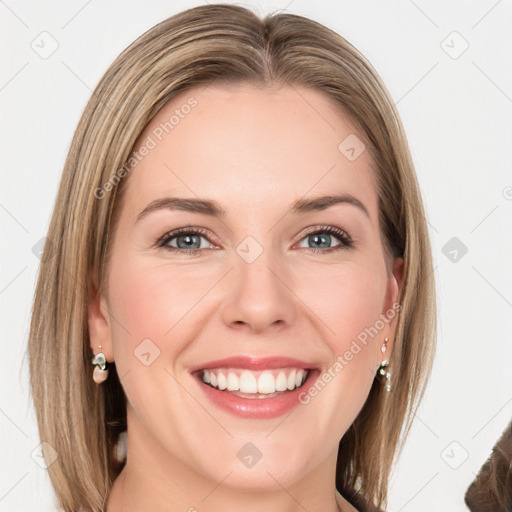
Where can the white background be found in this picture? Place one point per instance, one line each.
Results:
(457, 114)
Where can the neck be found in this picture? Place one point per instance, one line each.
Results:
(153, 479)
(129, 494)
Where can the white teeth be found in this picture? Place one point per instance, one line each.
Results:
(222, 382)
(265, 382)
(248, 383)
(291, 380)
(281, 382)
(233, 382)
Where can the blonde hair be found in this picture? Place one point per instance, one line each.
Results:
(203, 45)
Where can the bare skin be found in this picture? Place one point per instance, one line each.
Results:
(255, 152)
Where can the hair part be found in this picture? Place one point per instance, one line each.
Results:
(230, 45)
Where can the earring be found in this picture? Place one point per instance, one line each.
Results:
(384, 346)
(100, 372)
(384, 364)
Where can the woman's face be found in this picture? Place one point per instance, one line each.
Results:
(262, 270)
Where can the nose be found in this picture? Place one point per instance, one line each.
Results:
(258, 295)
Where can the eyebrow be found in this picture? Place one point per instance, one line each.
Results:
(323, 202)
(213, 208)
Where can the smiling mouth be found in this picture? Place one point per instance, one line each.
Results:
(246, 383)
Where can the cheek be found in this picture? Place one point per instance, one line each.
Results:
(151, 302)
(150, 326)
(345, 303)
(157, 310)
(346, 300)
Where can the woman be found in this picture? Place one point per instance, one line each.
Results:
(240, 248)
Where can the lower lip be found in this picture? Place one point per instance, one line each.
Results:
(257, 408)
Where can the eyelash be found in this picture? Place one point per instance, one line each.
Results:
(340, 235)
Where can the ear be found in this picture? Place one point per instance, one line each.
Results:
(392, 303)
(98, 320)
(396, 278)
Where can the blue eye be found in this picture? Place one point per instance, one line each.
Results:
(189, 240)
(321, 239)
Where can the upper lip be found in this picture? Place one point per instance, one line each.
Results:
(254, 363)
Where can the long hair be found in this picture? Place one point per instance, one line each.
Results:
(203, 45)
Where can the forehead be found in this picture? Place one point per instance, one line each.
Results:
(250, 147)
